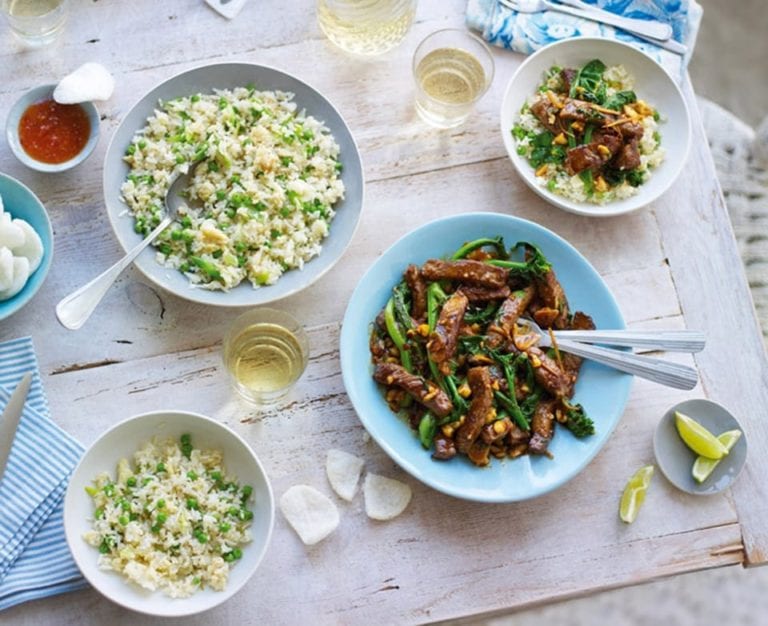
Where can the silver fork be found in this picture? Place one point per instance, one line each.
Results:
(639, 28)
(660, 371)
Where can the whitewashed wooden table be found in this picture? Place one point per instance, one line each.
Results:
(673, 264)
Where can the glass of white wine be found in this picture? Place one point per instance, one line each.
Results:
(365, 27)
(452, 69)
(265, 352)
(35, 22)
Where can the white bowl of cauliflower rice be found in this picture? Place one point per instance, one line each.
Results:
(595, 126)
(169, 513)
(275, 193)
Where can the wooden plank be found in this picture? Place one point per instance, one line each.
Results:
(144, 349)
(134, 307)
(714, 295)
(429, 576)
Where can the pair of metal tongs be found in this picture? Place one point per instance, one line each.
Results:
(579, 342)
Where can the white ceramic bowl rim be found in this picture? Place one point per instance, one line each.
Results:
(175, 607)
(668, 98)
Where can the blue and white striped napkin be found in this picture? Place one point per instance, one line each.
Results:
(527, 32)
(35, 561)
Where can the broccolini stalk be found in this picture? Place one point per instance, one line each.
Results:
(401, 309)
(510, 404)
(435, 299)
(460, 405)
(397, 336)
(496, 242)
(481, 317)
(536, 266)
(578, 422)
(427, 430)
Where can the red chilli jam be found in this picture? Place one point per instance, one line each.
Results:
(53, 133)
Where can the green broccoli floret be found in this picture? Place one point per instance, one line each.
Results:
(578, 422)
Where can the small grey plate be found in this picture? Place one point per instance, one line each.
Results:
(676, 459)
(38, 94)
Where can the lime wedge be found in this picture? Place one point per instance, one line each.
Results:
(698, 438)
(634, 494)
(703, 466)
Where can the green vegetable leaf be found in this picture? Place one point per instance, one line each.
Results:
(617, 101)
(588, 84)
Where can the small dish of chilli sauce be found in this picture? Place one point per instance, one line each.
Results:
(48, 136)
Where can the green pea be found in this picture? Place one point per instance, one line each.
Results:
(201, 536)
(131, 482)
(160, 467)
(161, 518)
(98, 513)
(247, 491)
(109, 490)
(192, 475)
(224, 527)
(123, 519)
(245, 515)
(192, 504)
(125, 505)
(237, 553)
(160, 504)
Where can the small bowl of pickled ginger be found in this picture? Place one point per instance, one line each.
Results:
(26, 245)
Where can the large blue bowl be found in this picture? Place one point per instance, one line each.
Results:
(20, 202)
(603, 392)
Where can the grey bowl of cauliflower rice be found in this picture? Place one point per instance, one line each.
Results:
(595, 126)
(169, 513)
(275, 193)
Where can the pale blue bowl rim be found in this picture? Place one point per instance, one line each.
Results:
(12, 131)
(221, 75)
(603, 391)
(33, 212)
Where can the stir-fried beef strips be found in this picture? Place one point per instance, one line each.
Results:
(457, 365)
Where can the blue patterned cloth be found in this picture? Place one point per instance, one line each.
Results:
(35, 561)
(527, 32)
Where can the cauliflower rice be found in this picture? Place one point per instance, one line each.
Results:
(262, 199)
(557, 180)
(175, 521)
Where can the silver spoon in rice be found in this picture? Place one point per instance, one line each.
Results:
(73, 310)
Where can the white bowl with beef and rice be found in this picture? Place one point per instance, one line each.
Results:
(595, 126)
